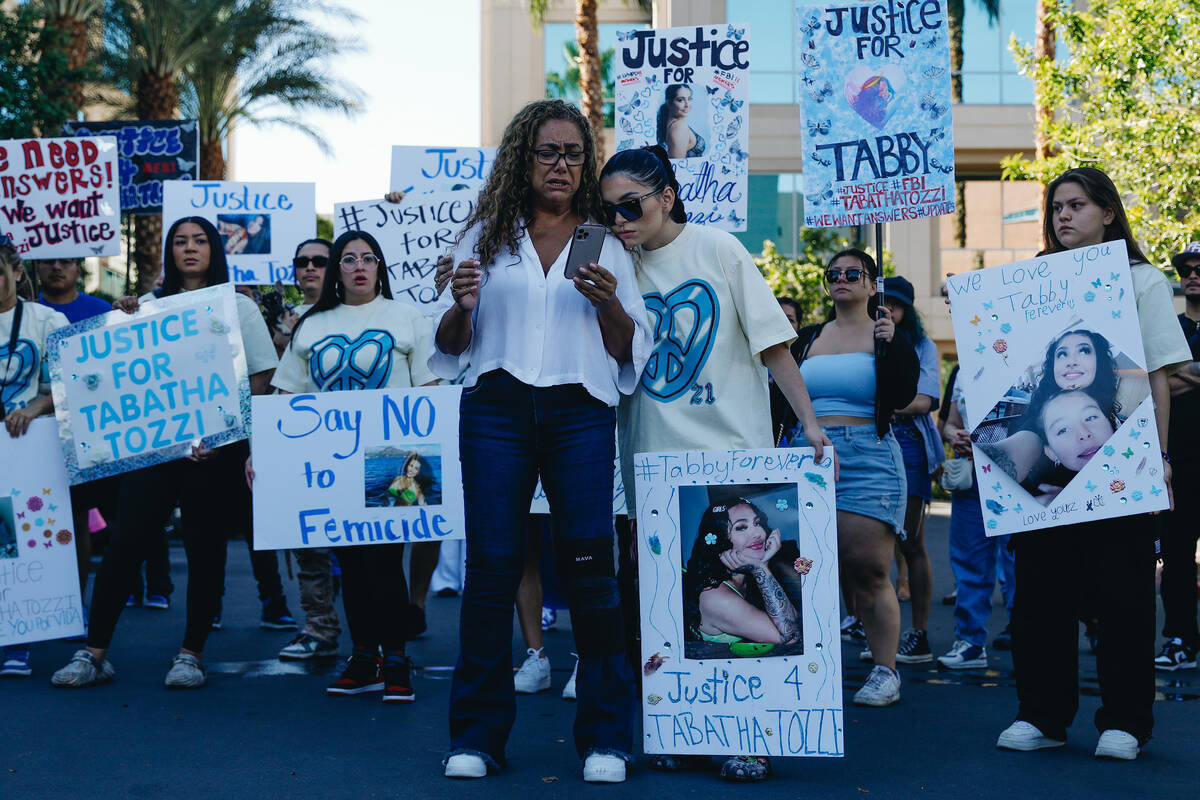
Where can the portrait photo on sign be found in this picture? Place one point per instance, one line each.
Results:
(8, 529)
(742, 571)
(403, 476)
(1061, 411)
(248, 234)
(682, 120)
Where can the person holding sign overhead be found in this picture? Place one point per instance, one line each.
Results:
(206, 485)
(1066, 573)
(547, 355)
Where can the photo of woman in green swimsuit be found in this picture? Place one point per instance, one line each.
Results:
(404, 490)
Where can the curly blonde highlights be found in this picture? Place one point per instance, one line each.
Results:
(507, 197)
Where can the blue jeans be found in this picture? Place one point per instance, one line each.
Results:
(974, 557)
(509, 433)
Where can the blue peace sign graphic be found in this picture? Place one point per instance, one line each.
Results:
(338, 363)
(685, 327)
(21, 369)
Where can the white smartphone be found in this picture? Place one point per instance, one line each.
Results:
(586, 244)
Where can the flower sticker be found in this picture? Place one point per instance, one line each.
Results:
(710, 539)
(1117, 486)
(781, 504)
(802, 565)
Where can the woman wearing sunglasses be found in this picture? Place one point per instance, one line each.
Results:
(705, 385)
(859, 373)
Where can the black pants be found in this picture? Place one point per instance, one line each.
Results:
(1179, 533)
(1102, 569)
(375, 595)
(264, 563)
(205, 492)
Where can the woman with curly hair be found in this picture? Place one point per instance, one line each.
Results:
(546, 359)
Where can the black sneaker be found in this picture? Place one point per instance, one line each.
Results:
(275, 615)
(1003, 640)
(397, 681)
(914, 648)
(1175, 655)
(855, 632)
(360, 675)
(417, 623)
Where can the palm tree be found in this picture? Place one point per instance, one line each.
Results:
(566, 83)
(955, 11)
(72, 19)
(1044, 46)
(272, 65)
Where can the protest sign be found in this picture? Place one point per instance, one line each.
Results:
(59, 198)
(875, 112)
(687, 89)
(422, 170)
(765, 679)
(260, 223)
(1057, 398)
(412, 234)
(39, 579)
(131, 390)
(541, 503)
(338, 469)
(148, 153)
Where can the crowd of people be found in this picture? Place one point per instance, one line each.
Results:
(558, 375)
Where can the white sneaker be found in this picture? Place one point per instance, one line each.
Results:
(569, 689)
(1025, 736)
(534, 674)
(465, 765)
(964, 655)
(881, 689)
(83, 670)
(865, 655)
(601, 768)
(1117, 744)
(185, 673)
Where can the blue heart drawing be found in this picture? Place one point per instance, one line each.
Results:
(338, 363)
(22, 365)
(685, 328)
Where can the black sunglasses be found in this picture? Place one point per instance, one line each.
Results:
(630, 209)
(1187, 269)
(846, 276)
(6, 239)
(300, 262)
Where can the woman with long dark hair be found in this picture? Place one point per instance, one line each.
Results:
(675, 135)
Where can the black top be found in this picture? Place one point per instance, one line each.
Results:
(1183, 437)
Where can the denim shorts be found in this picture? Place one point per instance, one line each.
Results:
(916, 463)
(871, 478)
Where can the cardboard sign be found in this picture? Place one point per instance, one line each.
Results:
(260, 223)
(148, 153)
(412, 234)
(1058, 403)
(338, 469)
(875, 112)
(59, 198)
(39, 579)
(422, 170)
(769, 683)
(131, 390)
(687, 89)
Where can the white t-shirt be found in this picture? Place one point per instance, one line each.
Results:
(704, 386)
(378, 345)
(256, 338)
(23, 369)
(1162, 337)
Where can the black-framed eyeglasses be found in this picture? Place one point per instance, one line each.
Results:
(1187, 270)
(629, 209)
(844, 276)
(550, 157)
(320, 262)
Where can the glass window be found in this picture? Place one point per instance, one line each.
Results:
(773, 48)
(989, 72)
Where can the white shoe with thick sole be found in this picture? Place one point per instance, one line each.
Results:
(465, 765)
(601, 768)
(1024, 737)
(533, 675)
(1117, 744)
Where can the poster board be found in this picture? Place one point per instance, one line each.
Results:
(327, 465)
(60, 198)
(744, 697)
(39, 577)
(132, 390)
(875, 109)
(149, 152)
(260, 223)
(422, 170)
(1058, 403)
(688, 88)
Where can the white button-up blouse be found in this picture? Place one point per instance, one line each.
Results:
(540, 329)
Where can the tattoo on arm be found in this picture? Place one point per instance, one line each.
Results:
(777, 605)
(1001, 459)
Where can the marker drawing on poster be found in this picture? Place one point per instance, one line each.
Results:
(60, 198)
(687, 89)
(260, 223)
(132, 390)
(754, 534)
(338, 469)
(422, 170)
(149, 152)
(39, 579)
(1057, 398)
(875, 109)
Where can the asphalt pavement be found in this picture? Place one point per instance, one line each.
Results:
(265, 729)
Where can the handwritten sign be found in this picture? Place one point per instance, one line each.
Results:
(339, 469)
(440, 169)
(413, 234)
(148, 153)
(1057, 399)
(687, 89)
(767, 680)
(59, 198)
(875, 112)
(131, 390)
(39, 579)
(260, 223)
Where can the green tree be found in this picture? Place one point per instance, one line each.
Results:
(1127, 101)
(35, 76)
(68, 23)
(565, 84)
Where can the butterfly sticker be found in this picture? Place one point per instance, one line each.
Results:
(825, 194)
(988, 304)
(1096, 283)
(629, 107)
(987, 468)
(934, 72)
(937, 134)
(736, 33)
(930, 43)
(739, 155)
(824, 162)
(930, 105)
(712, 89)
(729, 100)
(733, 128)
(821, 93)
(940, 167)
(810, 61)
(653, 82)
(819, 128)
(626, 128)
(735, 219)
(206, 354)
(1116, 314)
(97, 250)
(625, 144)
(810, 25)
(625, 36)
(807, 80)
